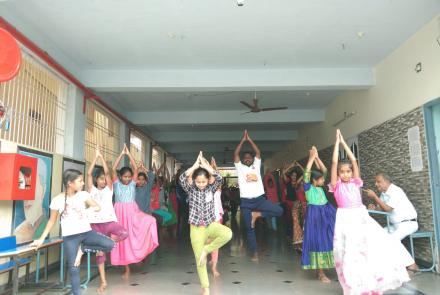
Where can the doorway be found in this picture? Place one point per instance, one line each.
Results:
(432, 125)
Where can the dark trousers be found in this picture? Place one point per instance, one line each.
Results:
(90, 241)
(259, 204)
(182, 219)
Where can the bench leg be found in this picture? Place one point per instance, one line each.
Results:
(431, 268)
(411, 242)
(28, 266)
(86, 282)
(46, 264)
(432, 254)
(62, 264)
(15, 276)
(37, 271)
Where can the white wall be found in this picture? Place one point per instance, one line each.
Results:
(74, 140)
(398, 89)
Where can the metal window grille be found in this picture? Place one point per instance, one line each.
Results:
(138, 145)
(157, 157)
(35, 101)
(103, 129)
(170, 165)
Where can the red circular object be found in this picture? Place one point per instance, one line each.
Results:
(10, 56)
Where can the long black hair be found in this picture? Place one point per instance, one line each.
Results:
(70, 175)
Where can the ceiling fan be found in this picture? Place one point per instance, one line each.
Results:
(254, 108)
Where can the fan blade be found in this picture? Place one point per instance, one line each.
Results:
(274, 109)
(247, 104)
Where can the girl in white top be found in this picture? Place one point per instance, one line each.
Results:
(104, 221)
(77, 234)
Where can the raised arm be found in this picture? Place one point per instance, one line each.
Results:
(217, 178)
(286, 169)
(108, 177)
(308, 170)
(351, 157)
(116, 165)
(312, 156)
(320, 164)
(142, 168)
(335, 158)
(214, 164)
(186, 177)
(238, 148)
(90, 171)
(254, 146)
(298, 164)
(132, 163)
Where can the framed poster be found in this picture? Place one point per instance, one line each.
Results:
(30, 217)
(73, 164)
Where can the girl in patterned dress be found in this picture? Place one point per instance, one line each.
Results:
(320, 220)
(142, 230)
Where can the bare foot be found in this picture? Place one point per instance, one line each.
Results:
(126, 274)
(202, 259)
(205, 291)
(323, 278)
(413, 269)
(255, 216)
(255, 258)
(102, 287)
(78, 257)
(215, 272)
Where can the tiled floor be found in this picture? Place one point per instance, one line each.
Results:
(172, 271)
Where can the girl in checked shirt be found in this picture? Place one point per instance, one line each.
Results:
(195, 182)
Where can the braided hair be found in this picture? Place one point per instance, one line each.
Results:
(70, 175)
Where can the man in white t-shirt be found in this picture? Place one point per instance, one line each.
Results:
(253, 200)
(403, 215)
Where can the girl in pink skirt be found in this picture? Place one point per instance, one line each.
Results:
(141, 227)
(368, 260)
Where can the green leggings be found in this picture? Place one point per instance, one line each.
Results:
(218, 234)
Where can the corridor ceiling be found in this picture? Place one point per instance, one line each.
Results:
(179, 68)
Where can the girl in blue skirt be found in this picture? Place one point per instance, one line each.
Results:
(320, 220)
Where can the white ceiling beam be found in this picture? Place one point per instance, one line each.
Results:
(194, 147)
(225, 117)
(221, 136)
(223, 79)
